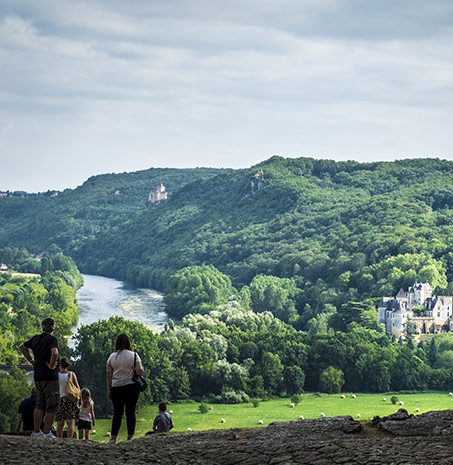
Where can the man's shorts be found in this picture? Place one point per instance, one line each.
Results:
(48, 395)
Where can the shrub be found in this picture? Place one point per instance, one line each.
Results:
(255, 402)
(203, 408)
(232, 397)
(394, 400)
(296, 399)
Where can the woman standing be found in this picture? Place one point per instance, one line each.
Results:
(121, 390)
(69, 410)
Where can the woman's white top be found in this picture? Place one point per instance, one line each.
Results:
(122, 364)
(63, 378)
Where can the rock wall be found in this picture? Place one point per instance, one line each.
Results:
(424, 439)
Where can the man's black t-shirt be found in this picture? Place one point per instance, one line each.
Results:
(27, 408)
(41, 345)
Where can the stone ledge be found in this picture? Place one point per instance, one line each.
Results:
(339, 440)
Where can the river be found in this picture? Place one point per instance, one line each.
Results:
(100, 298)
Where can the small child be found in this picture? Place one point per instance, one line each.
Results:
(86, 416)
(163, 422)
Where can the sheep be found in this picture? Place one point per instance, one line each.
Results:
(322, 414)
(189, 429)
(260, 422)
(222, 420)
(211, 407)
(343, 396)
(451, 394)
(401, 403)
(170, 412)
(358, 415)
(292, 405)
(301, 417)
(384, 399)
(353, 396)
(417, 410)
(93, 431)
(109, 434)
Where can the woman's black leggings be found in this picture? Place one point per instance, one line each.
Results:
(124, 396)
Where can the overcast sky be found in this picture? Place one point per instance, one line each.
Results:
(99, 86)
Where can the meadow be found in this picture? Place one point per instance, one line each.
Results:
(187, 415)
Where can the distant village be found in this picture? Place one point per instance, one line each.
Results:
(429, 314)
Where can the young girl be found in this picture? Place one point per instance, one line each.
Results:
(86, 416)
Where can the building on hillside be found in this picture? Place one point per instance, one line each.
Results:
(429, 314)
(3, 267)
(157, 196)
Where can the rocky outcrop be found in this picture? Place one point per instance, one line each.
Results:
(424, 439)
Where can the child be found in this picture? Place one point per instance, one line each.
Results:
(163, 422)
(86, 416)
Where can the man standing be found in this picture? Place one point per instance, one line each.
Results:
(45, 352)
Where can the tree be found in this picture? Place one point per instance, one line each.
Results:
(197, 289)
(331, 380)
(95, 342)
(294, 379)
(271, 371)
(13, 389)
(276, 295)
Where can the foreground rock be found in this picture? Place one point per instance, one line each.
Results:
(424, 439)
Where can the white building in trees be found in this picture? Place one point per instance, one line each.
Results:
(429, 314)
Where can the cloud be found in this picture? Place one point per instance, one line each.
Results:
(123, 86)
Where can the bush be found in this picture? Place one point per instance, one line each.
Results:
(394, 400)
(232, 397)
(203, 408)
(296, 399)
(255, 402)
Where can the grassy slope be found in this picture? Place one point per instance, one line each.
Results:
(245, 416)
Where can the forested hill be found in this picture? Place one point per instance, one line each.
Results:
(68, 218)
(343, 230)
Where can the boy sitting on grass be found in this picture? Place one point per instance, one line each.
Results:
(163, 422)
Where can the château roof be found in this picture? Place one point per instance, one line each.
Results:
(401, 293)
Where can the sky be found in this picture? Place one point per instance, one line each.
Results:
(102, 86)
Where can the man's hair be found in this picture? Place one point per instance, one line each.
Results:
(163, 406)
(48, 325)
(122, 342)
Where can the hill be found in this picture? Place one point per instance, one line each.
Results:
(341, 230)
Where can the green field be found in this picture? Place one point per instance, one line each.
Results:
(186, 415)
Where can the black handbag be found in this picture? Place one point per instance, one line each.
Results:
(138, 379)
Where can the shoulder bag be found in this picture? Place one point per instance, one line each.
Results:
(72, 393)
(137, 379)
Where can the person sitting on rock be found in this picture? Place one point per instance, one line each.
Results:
(163, 422)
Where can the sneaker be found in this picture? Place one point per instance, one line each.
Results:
(36, 435)
(49, 435)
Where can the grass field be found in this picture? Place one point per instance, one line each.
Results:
(186, 415)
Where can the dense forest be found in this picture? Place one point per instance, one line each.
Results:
(272, 274)
(340, 231)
